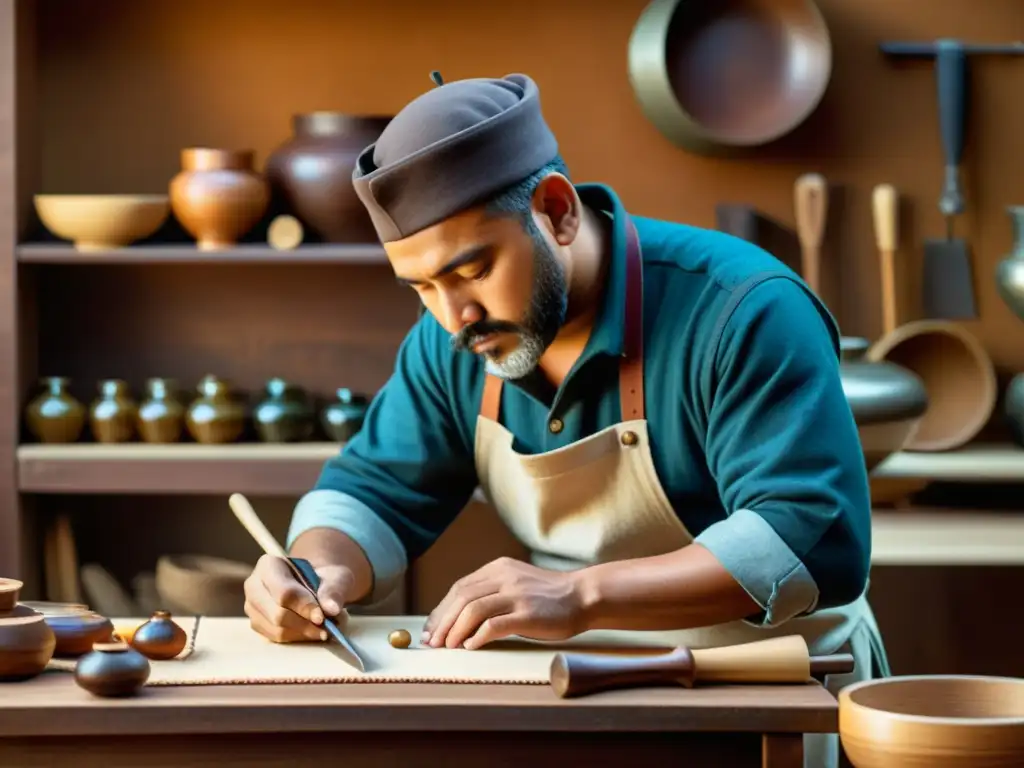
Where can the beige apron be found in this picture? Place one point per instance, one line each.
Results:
(600, 499)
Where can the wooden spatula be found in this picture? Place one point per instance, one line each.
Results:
(884, 201)
(810, 199)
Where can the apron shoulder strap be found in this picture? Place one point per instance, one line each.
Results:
(491, 401)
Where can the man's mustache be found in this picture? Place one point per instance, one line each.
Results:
(465, 338)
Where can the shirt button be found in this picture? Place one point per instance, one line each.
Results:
(555, 425)
(630, 438)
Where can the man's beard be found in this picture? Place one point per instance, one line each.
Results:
(543, 320)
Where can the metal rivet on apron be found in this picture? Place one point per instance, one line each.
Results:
(555, 425)
(630, 438)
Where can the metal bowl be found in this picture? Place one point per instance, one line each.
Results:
(720, 76)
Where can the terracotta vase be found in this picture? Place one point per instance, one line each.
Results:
(26, 646)
(311, 173)
(54, 416)
(218, 196)
(215, 416)
(343, 418)
(284, 415)
(160, 638)
(112, 670)
(161, 414)
(113, 414)
(1010, 271)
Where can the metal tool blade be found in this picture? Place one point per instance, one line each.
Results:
(342, 647)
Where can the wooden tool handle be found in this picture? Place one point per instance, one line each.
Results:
(251, 522)
(884, 203)
(777, 660)
(811, 204)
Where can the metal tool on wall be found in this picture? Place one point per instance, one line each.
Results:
(948, 284)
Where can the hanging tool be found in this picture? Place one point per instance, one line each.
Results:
(810, 201)
(948, 280)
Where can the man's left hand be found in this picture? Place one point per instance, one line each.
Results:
(505, 598)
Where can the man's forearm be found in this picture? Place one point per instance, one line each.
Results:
(684, 589)
(328, 546)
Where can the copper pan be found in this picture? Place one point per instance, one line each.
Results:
(721, 76)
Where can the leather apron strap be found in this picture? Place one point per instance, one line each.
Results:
(631, 367)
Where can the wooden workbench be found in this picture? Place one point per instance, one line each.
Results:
(50, 721)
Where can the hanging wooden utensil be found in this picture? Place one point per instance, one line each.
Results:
(776, 660)
(883, 208)
(811, 202)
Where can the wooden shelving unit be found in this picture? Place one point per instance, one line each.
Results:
(49, 253)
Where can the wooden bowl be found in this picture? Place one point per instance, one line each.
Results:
(202, 585)
(939, 721)
(10, 589)
(26, 646)
(76, 634)
(47, 608)
(102, 222)
(718, 76)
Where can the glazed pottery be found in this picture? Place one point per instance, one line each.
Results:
(102, 222)
(160, 638)
(54, 416)
(112, 415)
(886, 399)
(284, 415)
(10, 589)
(1010, 271)
(161, 416)
(933, 721)
(343, 418)
(112, 670)
(218, 196)
(26, 646)
(311, 173)
(215, 416)
(202, 585)
(1013, 408)
(76, 634)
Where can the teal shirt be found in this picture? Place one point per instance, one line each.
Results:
(752, 437)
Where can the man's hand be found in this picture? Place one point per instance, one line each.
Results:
(281, 609)
(504, 598)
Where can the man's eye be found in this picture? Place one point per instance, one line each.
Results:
(482, 273)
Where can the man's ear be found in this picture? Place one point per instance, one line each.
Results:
(555, 200)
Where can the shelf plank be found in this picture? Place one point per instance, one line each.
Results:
(975, 463)
(940, 537)
(63, 253)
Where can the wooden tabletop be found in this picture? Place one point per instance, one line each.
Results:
(52, 705)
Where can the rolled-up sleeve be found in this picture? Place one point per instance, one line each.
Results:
(406, 475)
(783, 448)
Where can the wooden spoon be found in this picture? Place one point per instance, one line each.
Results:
(810, 195)
(883, 207)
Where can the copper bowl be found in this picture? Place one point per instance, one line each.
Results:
(719, 76)
(933, 721)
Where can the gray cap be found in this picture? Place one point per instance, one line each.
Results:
(450, 149)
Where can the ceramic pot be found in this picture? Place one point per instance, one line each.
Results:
(1013, 408)
(10, 590)
(76, 634)
(54, 416)
(113, 414)
(202, 585)
(112, 670)
(284, 415)
(886, 399)
(215, 416)
(343, 418)
(311, 174)
(161, 414)
(1010, 271)
(26, 646)
(160, 638)
(218, 196)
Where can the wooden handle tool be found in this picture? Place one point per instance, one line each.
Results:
(776, 660)
(884, 201)
(810, 195)
(251, 522)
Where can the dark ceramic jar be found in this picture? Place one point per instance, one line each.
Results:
(343, 418)
(284, 415)
(886, 399)
(215, 416)
(54, 416)
(311, 174)
(113, 414)
(160, 638)
(161, 414)
(112, 670)
(1013, 408)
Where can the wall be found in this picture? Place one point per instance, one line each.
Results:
(125, 85)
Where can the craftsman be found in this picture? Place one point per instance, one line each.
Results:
(654, 409)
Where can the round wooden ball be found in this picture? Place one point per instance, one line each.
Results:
(400, 638)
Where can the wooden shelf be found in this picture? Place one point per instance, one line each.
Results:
(178, 469)
(62, 253)
(939, 537)
(976, 463)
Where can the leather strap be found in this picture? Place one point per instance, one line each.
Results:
(631, 367)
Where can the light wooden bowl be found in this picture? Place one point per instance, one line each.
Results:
(202, 585)
(933, 721)
(102, 222)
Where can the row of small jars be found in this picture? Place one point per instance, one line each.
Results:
(286, 414)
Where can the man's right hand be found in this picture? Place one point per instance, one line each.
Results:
(281, 609)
